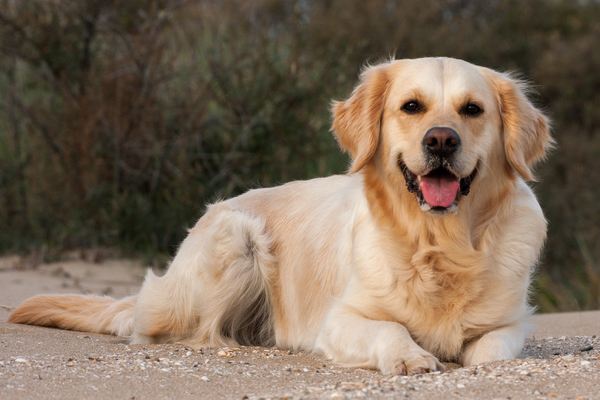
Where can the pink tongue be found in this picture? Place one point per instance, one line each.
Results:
(439, 191)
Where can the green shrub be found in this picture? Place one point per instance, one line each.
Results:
(119, 121)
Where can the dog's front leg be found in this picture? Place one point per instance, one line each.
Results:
(350, 339)
(499, 344)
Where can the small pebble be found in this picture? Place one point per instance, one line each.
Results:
(224, 353)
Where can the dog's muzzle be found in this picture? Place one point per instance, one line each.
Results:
(439, 189)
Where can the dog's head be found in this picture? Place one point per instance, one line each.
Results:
(435, 125)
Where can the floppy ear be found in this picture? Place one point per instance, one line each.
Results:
(526, 130)
(356, 121)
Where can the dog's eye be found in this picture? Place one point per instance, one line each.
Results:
(472, 110)
(411, 107)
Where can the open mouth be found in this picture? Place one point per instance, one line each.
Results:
(438, 190)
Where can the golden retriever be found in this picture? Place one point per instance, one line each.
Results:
(423, 252)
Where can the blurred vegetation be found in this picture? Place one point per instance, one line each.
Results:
(120, 120)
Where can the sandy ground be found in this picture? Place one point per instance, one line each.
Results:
(559, 361)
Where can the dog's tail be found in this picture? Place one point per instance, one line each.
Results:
(89, 313)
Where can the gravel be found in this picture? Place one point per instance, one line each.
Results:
(48, 363)
(44, 363)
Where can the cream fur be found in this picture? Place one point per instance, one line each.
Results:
(350, 266)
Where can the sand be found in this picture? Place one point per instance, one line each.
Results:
(560, 359)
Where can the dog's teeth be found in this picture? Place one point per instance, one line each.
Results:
(419, 178)
(425, 207)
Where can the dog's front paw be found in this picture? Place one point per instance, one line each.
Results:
(409, 362)
(501, 344)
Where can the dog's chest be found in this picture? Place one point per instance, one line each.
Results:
(442, 288)
(440, 301)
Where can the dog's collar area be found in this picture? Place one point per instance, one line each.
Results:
(413, 185)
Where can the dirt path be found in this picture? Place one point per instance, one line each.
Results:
(561, 362)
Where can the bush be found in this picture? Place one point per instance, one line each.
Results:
(120, 120)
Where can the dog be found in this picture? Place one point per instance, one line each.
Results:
(422, 253)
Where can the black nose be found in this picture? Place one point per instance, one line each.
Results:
(441, 141)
